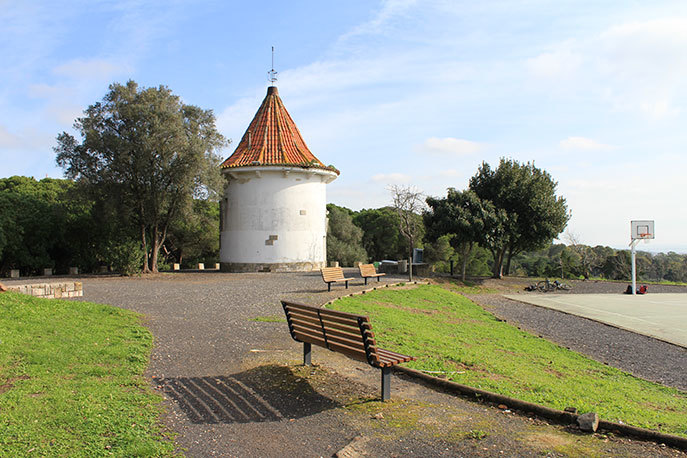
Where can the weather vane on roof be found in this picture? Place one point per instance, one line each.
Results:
(272, 74)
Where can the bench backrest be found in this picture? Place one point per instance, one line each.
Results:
(342, 332)
(332, 274)
(367, 270)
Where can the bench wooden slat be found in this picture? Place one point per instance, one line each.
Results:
(327, 319)
(361, 332)
(331, 277)
(346, 350)
(330, 337)
(307, 321)
(332, 331)
(312, 309)
(333, 274)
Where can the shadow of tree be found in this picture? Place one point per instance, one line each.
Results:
(264, 393)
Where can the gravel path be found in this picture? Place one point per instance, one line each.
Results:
(640, 355)
(235, 387)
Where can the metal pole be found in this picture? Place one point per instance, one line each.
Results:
(386, 383)
(634, 269)
(307, 354)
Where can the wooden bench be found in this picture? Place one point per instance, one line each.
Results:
(341, 332)
(333, 275)
(369, 271)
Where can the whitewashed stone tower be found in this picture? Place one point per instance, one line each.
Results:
(273, 215)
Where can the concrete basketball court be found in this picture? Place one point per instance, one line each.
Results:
(662, 316)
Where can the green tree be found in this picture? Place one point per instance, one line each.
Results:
(382, 238)
(618, 266)
(33, 225)
(464, 217)
(344, 239)
(534, 215)
(195, 238)
(149, 149)
(439, 252)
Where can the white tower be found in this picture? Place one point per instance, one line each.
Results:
(273, 215)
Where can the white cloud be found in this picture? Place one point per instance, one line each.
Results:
(583, 143)
(450, 145)
(234, 119)
(659, 109)
(7, 139)
(556, 64)
(393, 178)
(24, 140)
(381, 21)
(92, 69)
(637, 66)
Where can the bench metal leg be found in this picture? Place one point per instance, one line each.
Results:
(346, 284)
(329, 287)
(366, 280)
(386, 383)
(307, 354)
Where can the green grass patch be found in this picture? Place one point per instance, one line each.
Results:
(449, 333)
(71, 381)
(270, 319)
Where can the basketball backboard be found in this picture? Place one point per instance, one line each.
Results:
(642, 229)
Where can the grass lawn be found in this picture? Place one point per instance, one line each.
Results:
(71, 381)
(447, 332)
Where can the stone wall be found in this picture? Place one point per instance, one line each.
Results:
(49, 290)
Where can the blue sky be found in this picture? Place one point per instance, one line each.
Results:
(390, 92)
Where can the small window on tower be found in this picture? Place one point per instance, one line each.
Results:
(303, 212)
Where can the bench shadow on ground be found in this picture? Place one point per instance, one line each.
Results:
(265, 393)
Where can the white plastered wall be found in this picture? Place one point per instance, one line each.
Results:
(274, 215)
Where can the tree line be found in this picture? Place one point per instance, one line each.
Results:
(53, 223)
(374, 235)
(507, 210)
(143, 185)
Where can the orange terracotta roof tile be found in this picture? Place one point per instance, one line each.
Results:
(272, 138)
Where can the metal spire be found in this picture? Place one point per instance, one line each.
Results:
(272, 74)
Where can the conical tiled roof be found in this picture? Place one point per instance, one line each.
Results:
(273, 139)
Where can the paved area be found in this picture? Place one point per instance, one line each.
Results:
(234, 384)
(661, 316)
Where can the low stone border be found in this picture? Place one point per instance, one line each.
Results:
(546, 412)
(49, 290)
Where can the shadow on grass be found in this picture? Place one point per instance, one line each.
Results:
(265, 393)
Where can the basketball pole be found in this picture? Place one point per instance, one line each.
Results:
(634, 267)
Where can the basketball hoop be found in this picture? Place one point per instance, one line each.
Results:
(639, 230)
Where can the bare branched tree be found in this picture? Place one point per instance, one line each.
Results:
(584, 252)
(409, 202)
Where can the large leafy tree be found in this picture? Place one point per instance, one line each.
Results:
(466, 219)
(151, 151)
(535, 215)
(195, 238)
(34, 220)
(382, 238)
(344, 239)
